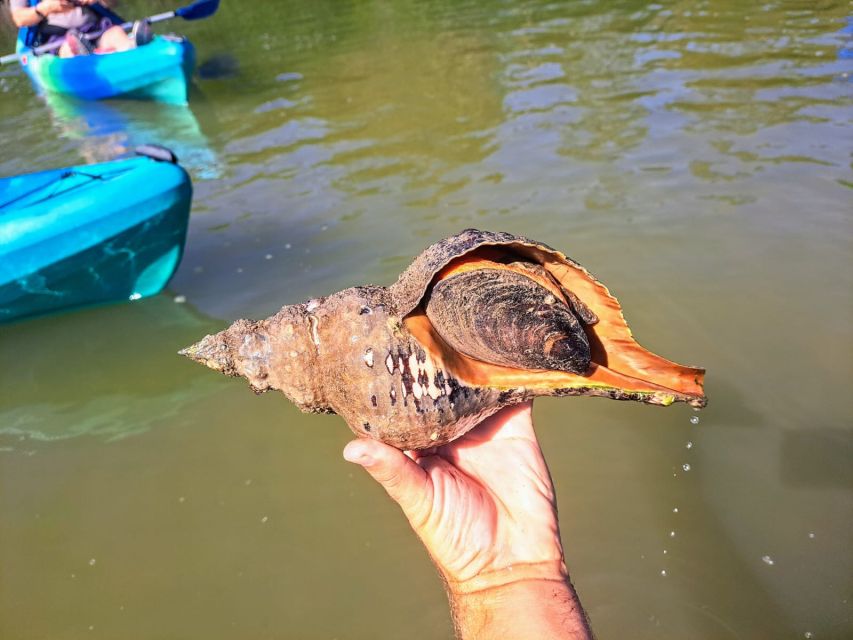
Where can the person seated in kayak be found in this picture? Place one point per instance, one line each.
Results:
(74, 22)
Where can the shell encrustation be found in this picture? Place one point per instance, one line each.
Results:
(478, 321)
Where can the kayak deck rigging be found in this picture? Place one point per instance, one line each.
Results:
(29, 199)
(90, 234)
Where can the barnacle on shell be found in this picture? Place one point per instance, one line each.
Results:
(478, 321)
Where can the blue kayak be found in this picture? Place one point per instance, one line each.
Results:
(159, 70)
(91, 234)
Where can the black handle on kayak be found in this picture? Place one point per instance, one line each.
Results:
(156, 152)
(195, 11)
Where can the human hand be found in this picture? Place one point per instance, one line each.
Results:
(484, 507)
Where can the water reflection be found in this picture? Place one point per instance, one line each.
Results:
(106, 129)
(45, 400)
(342, 132)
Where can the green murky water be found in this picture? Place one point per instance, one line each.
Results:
(694, 155)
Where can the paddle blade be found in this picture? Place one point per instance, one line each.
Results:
(198, 10)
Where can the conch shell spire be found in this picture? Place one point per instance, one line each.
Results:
(212, 351)
(270, 354)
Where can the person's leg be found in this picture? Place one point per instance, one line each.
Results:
(115, 39)
(75, 44)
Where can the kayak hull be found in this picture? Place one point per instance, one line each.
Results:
(159, 70)
(90, 234)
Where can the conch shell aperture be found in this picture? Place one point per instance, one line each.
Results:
(478, 321)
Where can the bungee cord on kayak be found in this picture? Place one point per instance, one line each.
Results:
(54, 187)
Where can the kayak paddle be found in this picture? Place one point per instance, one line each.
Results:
(195, 11)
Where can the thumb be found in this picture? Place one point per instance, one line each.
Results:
(402, 478)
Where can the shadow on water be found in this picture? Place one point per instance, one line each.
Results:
(118, 377)
(219, 66)
(653, 522)
(764, 552)
(820, 457)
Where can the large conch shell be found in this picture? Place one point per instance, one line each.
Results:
(478, 321)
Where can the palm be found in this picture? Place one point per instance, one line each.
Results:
(475, 489)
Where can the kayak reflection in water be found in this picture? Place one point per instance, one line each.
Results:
(74, 22)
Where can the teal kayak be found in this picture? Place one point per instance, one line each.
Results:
(91, 234)
(159, 70)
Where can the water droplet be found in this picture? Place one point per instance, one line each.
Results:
(91, 627)
(685, 466)
(264, 519)
(247, 482)
(675, 510)
(181, 499)
(73, 575)
(134, 296)
(268, 256)
(665, 552)
(92, 562)
(811, 535)
(180, 299)
(768, 560)
(808, 634)
(663, 572)
(694, 419)
(239, 269)
(689, 445)
(288, 246)
(672, 534)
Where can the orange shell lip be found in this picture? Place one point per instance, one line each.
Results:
(686, 383)
(619, 363)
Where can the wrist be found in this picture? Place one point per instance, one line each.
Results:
(39, 11)
(524, 609)
(553, 570)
